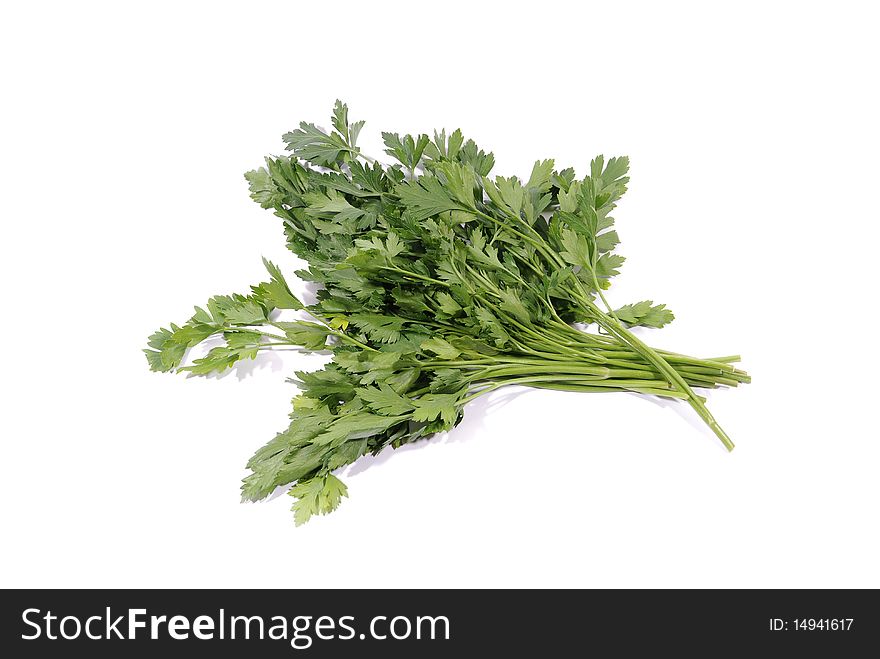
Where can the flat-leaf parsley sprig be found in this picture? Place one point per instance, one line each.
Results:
(437, 283)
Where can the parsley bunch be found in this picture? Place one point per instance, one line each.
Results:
(437, 283)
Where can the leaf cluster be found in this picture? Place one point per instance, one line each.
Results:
(437, 282)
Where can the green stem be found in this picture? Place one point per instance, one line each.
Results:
(662, 365)
(415, 275)
(655, 387)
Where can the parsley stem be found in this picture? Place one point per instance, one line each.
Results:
(617, 329)
(415, 275)
(576, 387)
(657, 387)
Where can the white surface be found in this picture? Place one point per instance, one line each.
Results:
(752, 212)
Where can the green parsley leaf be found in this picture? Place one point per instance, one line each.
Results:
(432, 406)
(426, 197)
(385, 400)
(275, 293)
(317, 496)
(645, 314)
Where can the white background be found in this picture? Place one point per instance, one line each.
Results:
(752, 212)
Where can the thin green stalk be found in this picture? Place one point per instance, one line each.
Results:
(628, 337)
